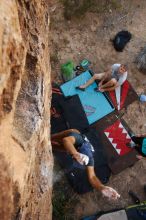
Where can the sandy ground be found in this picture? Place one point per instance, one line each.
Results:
(89, 37)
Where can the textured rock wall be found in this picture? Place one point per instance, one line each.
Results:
(141, 60)
(26, 168)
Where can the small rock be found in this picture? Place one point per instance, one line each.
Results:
(93, 28)
(53, 8)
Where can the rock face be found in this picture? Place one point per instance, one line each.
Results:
(25, 150)
(141, 60)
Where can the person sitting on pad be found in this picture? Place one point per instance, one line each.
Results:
(81, 150)
(108, 80)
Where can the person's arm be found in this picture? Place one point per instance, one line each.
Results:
(96, 183)
(63, 134)
(109, 89)
(68, 144)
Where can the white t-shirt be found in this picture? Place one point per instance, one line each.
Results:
(119, 77)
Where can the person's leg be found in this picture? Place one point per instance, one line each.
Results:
(97, 76)
(111, 83)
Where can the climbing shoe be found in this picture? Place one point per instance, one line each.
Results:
(79, 88)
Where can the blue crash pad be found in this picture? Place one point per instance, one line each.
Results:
(96, 105)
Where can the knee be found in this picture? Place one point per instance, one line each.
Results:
(114, 81)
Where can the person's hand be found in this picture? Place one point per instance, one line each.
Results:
(81, 158)
(139, 157)
(110, 193)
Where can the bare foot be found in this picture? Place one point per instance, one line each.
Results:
(82, 88)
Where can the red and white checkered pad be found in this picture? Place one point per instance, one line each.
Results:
(118, 137)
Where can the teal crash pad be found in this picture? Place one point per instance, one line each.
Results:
(96, 104)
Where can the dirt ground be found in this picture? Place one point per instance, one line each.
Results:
(89, 37)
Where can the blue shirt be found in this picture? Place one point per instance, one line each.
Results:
(83, 146)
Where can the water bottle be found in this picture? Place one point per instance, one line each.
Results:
(143, 98)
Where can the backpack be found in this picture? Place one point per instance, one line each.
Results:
(137, 212)
(121, 39)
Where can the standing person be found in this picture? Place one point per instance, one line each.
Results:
(108, 80)
(80, 149)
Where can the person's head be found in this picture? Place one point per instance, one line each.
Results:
(123, 68)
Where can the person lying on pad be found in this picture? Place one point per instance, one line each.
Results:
(79, 147)
(139, 144)
(108, 80)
